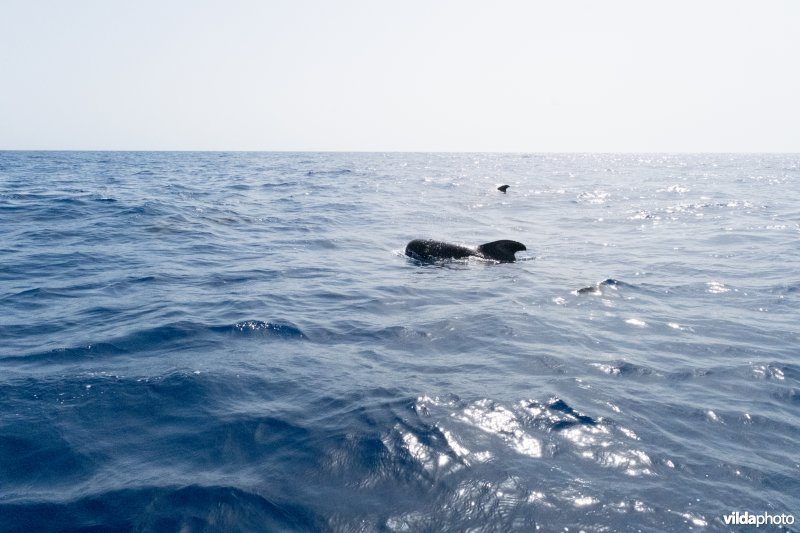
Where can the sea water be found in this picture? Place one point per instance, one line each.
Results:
(236, 341)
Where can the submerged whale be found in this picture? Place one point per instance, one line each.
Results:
(429, 250)
(598, 288)
(503, 188)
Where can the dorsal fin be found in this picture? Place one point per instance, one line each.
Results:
(502, 250)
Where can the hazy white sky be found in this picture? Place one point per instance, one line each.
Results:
(417, 75)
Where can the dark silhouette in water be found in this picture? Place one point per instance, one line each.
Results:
(597, 289)
(429, 250)
(503, 188)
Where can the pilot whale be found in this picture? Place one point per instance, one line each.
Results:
(598, 288)
(429, 250)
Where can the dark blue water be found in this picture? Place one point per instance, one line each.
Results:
(235, 341)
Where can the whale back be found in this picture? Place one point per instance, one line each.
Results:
(502, 250)
(429, 250)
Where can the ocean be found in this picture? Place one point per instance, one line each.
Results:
(230, 341)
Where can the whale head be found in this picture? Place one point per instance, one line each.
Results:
(430, 250)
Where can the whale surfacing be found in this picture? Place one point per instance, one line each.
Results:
(598, 288)
(430, 250)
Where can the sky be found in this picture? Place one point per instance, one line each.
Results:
(374, 75)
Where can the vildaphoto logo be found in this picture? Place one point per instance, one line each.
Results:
(764, 519)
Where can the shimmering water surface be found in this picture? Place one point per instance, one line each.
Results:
(235, 341)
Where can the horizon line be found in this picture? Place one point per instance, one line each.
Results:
(565, 152)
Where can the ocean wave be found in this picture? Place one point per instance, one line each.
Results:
(266, 329)
(161, 338)
(334, 172)
(167, 508)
